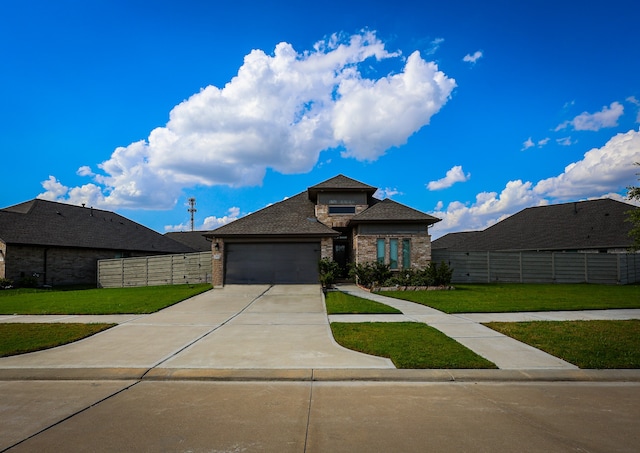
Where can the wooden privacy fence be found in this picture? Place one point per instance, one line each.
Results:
(155, 270)
(541, 267)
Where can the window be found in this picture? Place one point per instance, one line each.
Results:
(393, 253)
(406, 253)
(380, 250)
(342, 209)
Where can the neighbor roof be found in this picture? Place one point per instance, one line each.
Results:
(294, 216)
(193, 239)
(388, 210)
(594, 224)
(48, 223)
(451, 239)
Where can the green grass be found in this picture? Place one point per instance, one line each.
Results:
(408, 345)
(339, 303)
(586, 344)
(137, 300)
(494, 298)
(18, 338)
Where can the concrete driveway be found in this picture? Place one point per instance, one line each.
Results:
(236, 327)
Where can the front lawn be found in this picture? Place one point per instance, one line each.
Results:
(494, 298)
(407, 344)
(339, 303)
(586, 344)
(138, 300)
(18, 338)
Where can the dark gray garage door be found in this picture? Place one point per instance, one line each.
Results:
(272, 263)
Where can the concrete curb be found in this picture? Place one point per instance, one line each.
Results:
(317, 375)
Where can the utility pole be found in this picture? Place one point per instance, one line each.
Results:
(192, 209)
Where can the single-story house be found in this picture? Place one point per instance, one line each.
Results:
(60, 244)
(596, 226)
(338, 219)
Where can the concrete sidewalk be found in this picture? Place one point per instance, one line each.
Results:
(505, 352)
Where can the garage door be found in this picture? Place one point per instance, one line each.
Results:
(272, 263)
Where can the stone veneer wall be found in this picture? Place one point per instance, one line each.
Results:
(326, 248)
(335, 221)
(64, 266)
(365, 249)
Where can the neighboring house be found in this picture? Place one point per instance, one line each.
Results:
(193, 239)
(597, 226)
(338, 219)
(60, 244)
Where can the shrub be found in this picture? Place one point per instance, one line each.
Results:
(6, 283)
(329, 271)
(442, 274)
(370, 274)
(432, 275)
(28, 282)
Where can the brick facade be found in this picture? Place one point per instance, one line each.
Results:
(55, 265)
(365, 249)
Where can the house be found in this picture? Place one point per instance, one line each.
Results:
(338, 219)
(597, 226)
(60, 244)
(192, 239)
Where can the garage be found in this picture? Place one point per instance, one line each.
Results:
(272, 263)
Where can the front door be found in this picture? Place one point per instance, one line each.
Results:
(341, 256)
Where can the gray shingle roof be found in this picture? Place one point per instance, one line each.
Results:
(193, 239)
(340, 183)
(292, 217)
(594, 224)
(388, 210)
(451, 239)
(47, 223)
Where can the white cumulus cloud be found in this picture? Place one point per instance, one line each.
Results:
(209, 223)
(603, 172)
(469, 58)
(607, 117)
(454, 175)
(280, 112)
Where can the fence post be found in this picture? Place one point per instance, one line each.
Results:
(520, 258)
(586, 268)
(618, 268)
(488, 267)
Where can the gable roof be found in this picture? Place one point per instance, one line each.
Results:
(340, 183)
(594, 224)
(48, 223)
(192, 239)
(388, 210)
(294, 216)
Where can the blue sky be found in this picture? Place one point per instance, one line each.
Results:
(469, 111)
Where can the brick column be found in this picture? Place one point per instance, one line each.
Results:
(217, 262)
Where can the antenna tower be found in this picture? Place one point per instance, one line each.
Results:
(192, 209)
